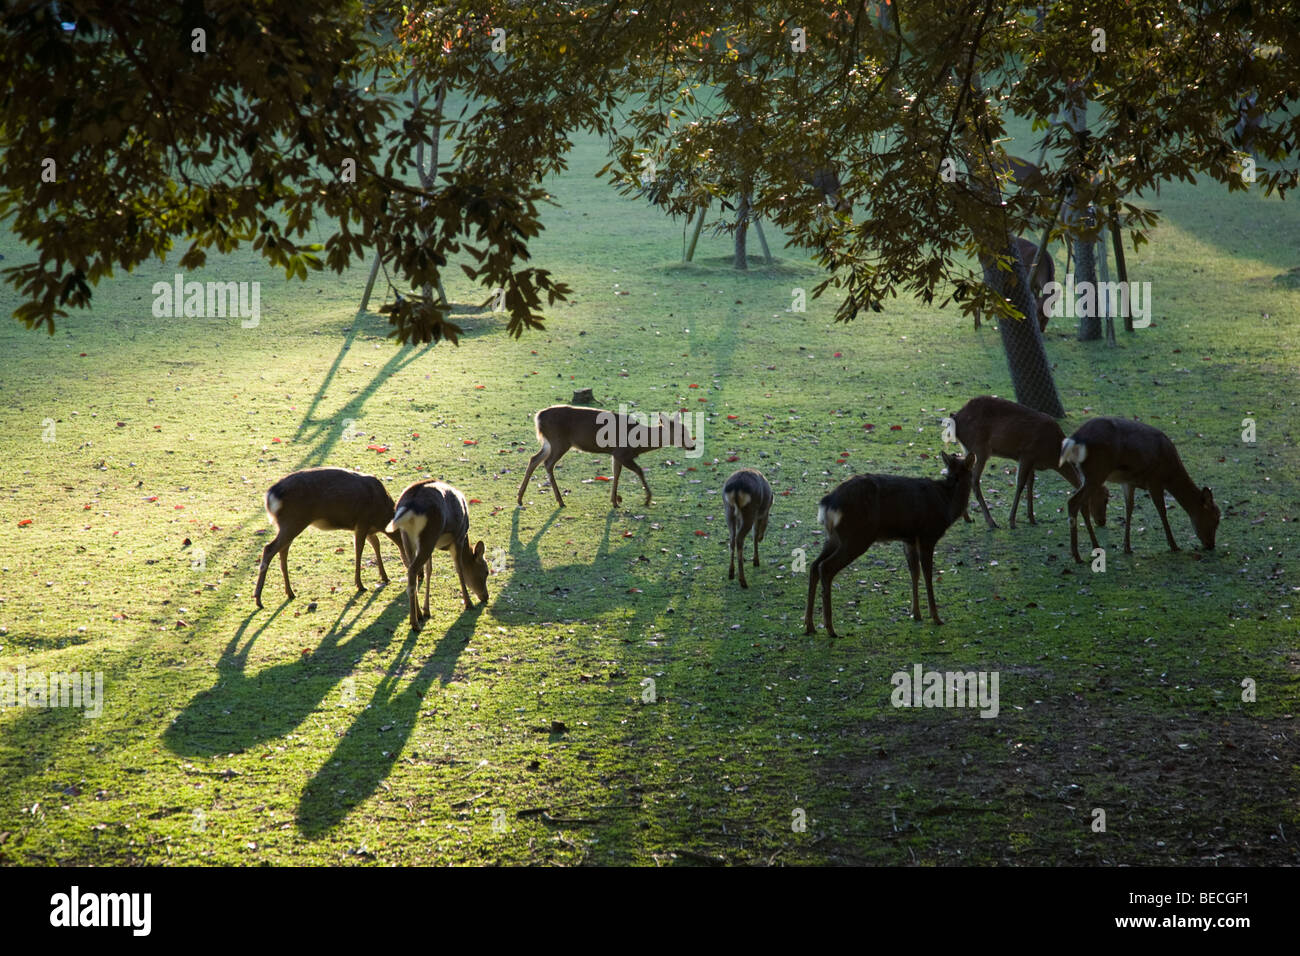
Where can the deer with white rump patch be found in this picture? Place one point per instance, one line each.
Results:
(333, 500)
(432, 515)
(992, 427)
(595, 430)
(747, 501)
(1137, 456)
(870, 508)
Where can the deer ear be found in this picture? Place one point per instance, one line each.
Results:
(1207, 496)
(478, 550)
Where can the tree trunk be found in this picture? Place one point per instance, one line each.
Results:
(1031, 373)
(1085, 265)
(741, 261)
(1085, 252)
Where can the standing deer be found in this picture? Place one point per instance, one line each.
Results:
(870, 508)
(333, 500)
(994, 427)
(1137, 456)
(432, 515)
(747, 501)
(595, 430)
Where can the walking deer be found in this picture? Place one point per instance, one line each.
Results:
(1137, 456)
(333, 500)
(432, 515)
(994, 427)
(595, 430)
(747, 498)
(870, 508)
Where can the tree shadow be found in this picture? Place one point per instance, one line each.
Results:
(370, 747)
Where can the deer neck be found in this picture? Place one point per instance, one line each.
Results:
(1184, 490)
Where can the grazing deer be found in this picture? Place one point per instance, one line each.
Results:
(432, 515)
(994, 427)
(747, 501)
(595, 430)
(870, 508)
(1137, 456)
(333, 500)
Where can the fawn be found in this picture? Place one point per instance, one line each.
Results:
(1137, 456)
(562, 427)
(747, 501)
(331, 499)
(870, 508)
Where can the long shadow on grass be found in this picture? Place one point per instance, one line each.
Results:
(241, 711)
(577, 590)
(367, 752)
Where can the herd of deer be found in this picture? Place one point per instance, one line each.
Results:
(431, 515)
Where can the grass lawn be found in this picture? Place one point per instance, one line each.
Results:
(321, 731)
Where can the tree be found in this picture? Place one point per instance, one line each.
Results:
(912, 104)
(150, 124)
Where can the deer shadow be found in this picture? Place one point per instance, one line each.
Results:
(239, 711)
(369, 748)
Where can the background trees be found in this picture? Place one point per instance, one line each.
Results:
(155, 141)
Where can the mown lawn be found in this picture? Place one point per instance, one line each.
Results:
(322, 731)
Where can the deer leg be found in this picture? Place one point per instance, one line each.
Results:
(1024, 476)
(1029, 493)
(739, 547)
(359, 536)
(280, 543)
(379, 559)
(532, 464)
(842, 557)
(979, 493)
(460, 570)
(551, 461)
(1158, 499)
(636, 469)
(733, 522)
(814, 575)
(413, 585)
(758, 534)
(428, 583)
(284, 569)
(618, 470)
(927, 565)
(914, 568)
(1128, 517)
(1074, 506)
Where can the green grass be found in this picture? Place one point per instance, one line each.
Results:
(321, 731)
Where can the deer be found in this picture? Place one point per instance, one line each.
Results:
(1137, 456)
(995, 427)
(870, 508)
(331, 499)
(595, 430)
(747, 498)
(432, 515)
